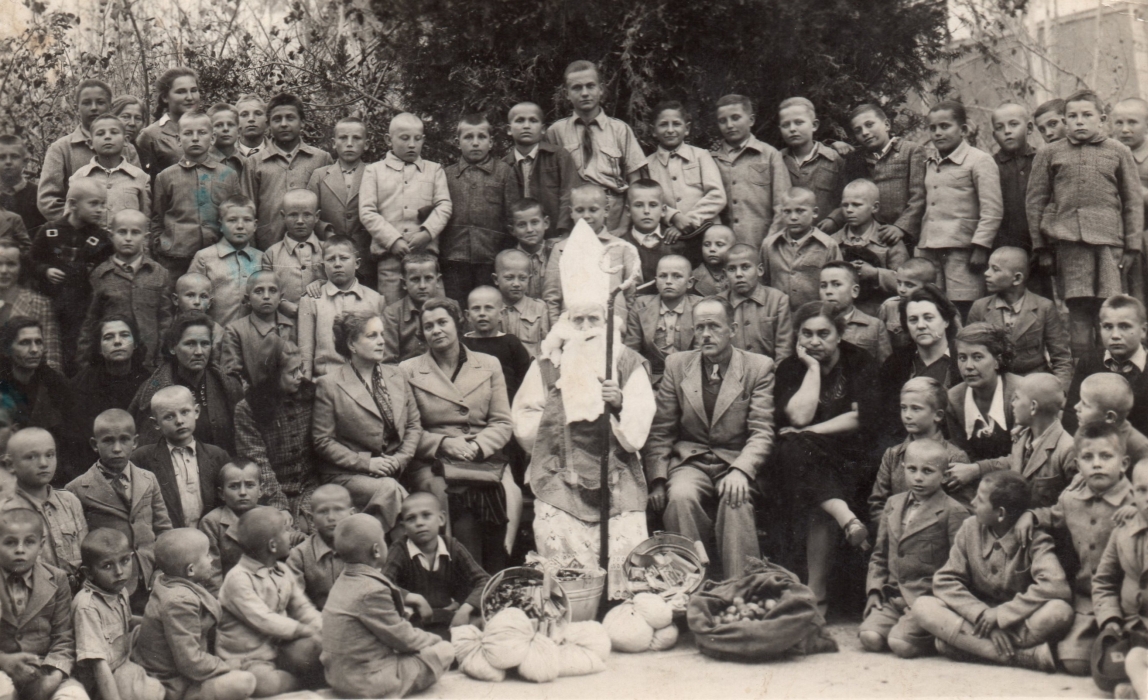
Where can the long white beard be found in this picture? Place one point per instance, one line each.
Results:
(581, 360)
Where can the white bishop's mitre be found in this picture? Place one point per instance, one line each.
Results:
(584, 281)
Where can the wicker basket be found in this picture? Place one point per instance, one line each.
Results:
(537, 579)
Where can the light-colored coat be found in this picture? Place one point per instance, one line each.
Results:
(474, 406)
(348, 427)
(905, 558)
(741, 430)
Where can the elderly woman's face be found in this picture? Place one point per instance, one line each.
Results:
(586, 317)
(369, 345)
(9, 267)
(819, 337)
(926, 325)
(28, 348)
(439, 329)
(116, 342)
(193, 350)
(291, 376)
(979, 367)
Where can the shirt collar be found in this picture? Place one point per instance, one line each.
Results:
(1009, 543)
(319, 547)
(874, 157)
(1141, 154)
(249, 563)
(1026, 151)
(867, 235)
(111, 599)
(1099, 138)
(1139, 358)
(533, 155)
(225, 248)
(649, 240)
(95, 163)
(416, 554)
(81, 135)
(172, 448)
(723, 366)
(134, 262)
(208, 162)
(355, 290)
(681, 151)
(752, 143)
(996, 409)
(17, 187)
(599, 119)
(957, 155)
(264, 327)
(294, 245)
(395, 163)
(663, 309)
(487, 166)
(1115, 496)
(273, 148)
(998, 302)
(26, 577)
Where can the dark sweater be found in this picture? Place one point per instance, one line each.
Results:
(23, 204)
(459, 578)
(511, 354)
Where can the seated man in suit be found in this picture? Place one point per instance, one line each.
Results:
(712, 433)
(185, 468)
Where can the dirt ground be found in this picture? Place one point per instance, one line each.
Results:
(683, 674)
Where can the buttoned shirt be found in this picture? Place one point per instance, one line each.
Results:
(263, 607)
(274, 173)
(763, 322)
(1138, 360)
(527, 320)
(649, 241)
(538, 260)
(66, 527)
(228, 268)
(432, 563)
(296, 264)
(691, 182)
(392, 194)
(317, 319)
(248, 151)
(317, 565)
(1009, 312)
(127, 187)
(481, 195)
(996, 415)
(185, 463)
(666, 333)
(102, 622)
(963, 204)
(617, 152)
(185, 206)
(793, 267)
(755, 181)
(19, 589)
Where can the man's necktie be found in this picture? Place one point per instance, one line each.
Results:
(119, 483)
(1128, 368)
(587, 143)
(527, 166)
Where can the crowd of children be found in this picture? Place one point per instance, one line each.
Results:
(182, 563)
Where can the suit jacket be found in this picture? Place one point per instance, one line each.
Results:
(348, 427)
(146, 519)
(1037, 331)
(474, 406)
(366, 636)
(339, 206)
(157, 460)
(741, 430)
(642, 324)
(551, 179)
(905, 558)
(45, 627)
(1048, 470)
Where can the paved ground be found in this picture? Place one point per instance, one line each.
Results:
(683, 674)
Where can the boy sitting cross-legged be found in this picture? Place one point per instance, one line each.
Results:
(37, 644)
(997, 598)
(268, 626)
(369, 648)
(916, 529)
(174, 637)
(102, 618)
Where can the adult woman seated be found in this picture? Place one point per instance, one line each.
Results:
(980, 407)
(34, 394)
(931, 322)
(273, 427)
(823, 398)
(21, 302)
(108, 378)
(187, 353)
(465, 414)
(365, 422)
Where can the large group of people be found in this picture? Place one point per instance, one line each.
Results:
(263, 399)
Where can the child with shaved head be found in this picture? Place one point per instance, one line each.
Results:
(32, 458)
(437, 569)
(660, 325)
(297, 260)
(404, 203)
(543, 171)
(193, 292)
(244, 337)
(523, 316)
(314, 559)
(369, 647)
(1042, 450)
(173, 643)
(269, 627)
(37, 643)
(117, 494)
(862, 242)
(102, 618)
(792, 257)
(1106, 397)
(1011, 129)
(336, 188)
(1037, 331)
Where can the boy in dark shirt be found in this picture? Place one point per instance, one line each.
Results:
(17, 195)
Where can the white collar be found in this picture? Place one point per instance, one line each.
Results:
(533, 155)
(649, 240)
(1139, 358)
(996, 409)
(416, 554)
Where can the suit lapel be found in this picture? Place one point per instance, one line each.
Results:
(137, 486)
(1041, 448)
(355, 389)
(686, 325)
(928, 513)
(730, 387)
(1026, 318)
(896, 520)
(167, 483)
(42, 592)
(692, 388)
(649, 317)
(356, 182)
(431, 379)
(338, 185)
(207, 473)
(100, 491)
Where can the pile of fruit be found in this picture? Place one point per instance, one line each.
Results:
(526, 595)
(754, 609)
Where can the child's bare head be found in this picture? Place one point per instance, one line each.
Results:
(484, 307)
(264, 533)
(175, 412)
(914, 274)
(13, 158)
(1130, 122)
(192, 293)
(1104, 397)
(871, 126)
(525, 123)
(743, 268)
(340, 261)
(114, 438)
(184, 552)
(350, 140)
(924, 402)
(797, 118)
(1123, 325)
(1049, 119)
(1007, 269)
(475, 138)
(107, 136)
(735, 118)
(237, 220)
(422, 517)
(925, 463)
(129, 233)
(1002, 497)
(32, 457)
(405, 137)
(528, 222)
(672, 277)
(798, 211)
(1101, 455)
(240, 485)
(512, 274)
(716, 242)
(300, 211)
(106, 559)
(1011, 127)
(263, 294)
(860, 201)
(421, 277)
(86, 200)
(21, 537)
(588, 202)
(359, 539)
(1140, 487)
(644, 201)
(1037, 396)
(583, 87)
(330, 505)
(839, 283)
